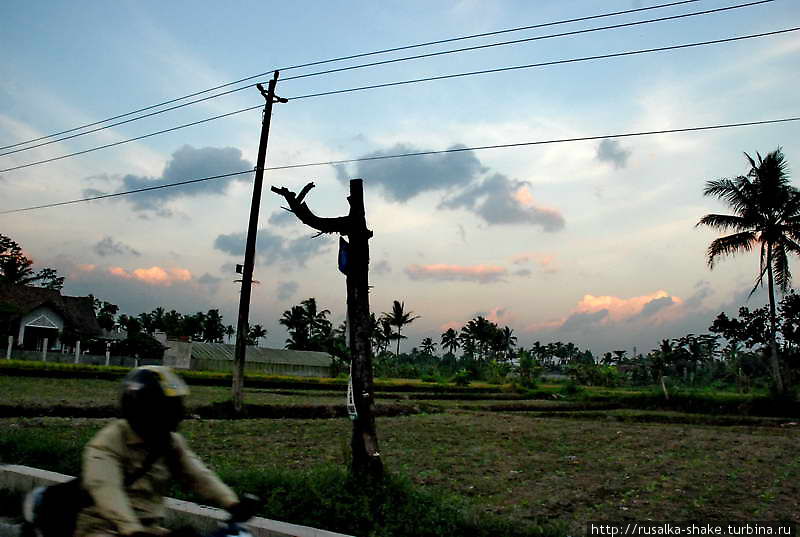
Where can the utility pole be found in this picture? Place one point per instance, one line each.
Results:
(242, 326)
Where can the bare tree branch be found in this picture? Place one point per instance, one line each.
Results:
(340, 224)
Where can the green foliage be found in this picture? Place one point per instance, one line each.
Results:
(41, 449)
(462, 378)
(595, 375)
(528, 369)
(15, 268)
(571, 388)
(324, 497)
(140, 345)
(398, 317)
(215, 378)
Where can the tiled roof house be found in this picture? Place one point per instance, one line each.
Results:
(33, 314)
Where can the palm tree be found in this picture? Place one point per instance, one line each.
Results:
(450, 340)
(213, 329)
(399, 318)
(428, 346)
(256, 333)
(158, 318)
(384, 335)
(317, 323)
(230, 331)
(507, 341)
(767, 215)
(480, 332)
(296, 322)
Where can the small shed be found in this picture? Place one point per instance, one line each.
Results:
(201, 356)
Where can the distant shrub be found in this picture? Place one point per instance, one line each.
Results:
(462, 378)
(571, 388)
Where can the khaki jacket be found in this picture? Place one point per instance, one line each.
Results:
(117, 452)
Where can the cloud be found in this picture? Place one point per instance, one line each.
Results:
(654, 309)
(209, 281)
(381, 267)
(282, 218)
(624, 308)
(108, 246)
(442, 272)
(402, 179)
(495, 198)
(612, 151)
(546, 262)
(272, 248)
(154, 275)
(93, 192)
(186, 163)
(500, 200)
(499, 315)
(702, 291)
(462, 233)
(583, 320)
(287, 290)
(136, 290)
(654, 306)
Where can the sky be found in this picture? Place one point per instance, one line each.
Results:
(592, 242)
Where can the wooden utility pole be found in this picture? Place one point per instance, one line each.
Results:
(364, 441)
(242, 326)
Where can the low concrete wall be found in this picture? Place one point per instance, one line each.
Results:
(87, 359)
(20, 479)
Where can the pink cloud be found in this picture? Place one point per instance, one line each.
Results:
(444, 272)
(455, 325)
(653, 308)
(621, 308)
(154, 275)
(525, 198)
(499, 315)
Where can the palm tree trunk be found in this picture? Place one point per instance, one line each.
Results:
(397, 354)
(773, 359)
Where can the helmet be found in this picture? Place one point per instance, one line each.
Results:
(152, 401)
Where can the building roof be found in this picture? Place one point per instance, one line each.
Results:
(78, 311)
(222, 351)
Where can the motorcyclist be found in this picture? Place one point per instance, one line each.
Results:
(145, 448)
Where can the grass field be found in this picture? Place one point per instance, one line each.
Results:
(47, 392)
(523, 468)
(527, 466)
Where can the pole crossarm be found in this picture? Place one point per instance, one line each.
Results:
(344, 225)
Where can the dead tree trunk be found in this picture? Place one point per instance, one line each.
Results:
(366, 458)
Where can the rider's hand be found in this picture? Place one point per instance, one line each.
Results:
(245, 509)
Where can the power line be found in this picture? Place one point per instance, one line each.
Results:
(397, 60)
(416, 154)
(136, 191)
(545, 64)
(404, 82)
(530, 39)
(351, 57)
